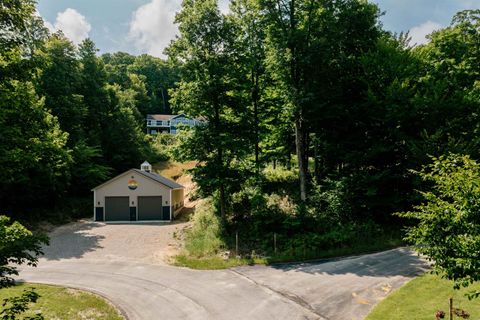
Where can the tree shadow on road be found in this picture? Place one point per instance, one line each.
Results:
(397, 262)
(72, 241)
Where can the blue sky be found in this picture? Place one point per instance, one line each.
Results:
(146, 26)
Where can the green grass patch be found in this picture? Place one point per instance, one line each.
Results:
(64, 303)
(215, 263)
(420, 298)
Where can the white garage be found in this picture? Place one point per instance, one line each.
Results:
(138, 195)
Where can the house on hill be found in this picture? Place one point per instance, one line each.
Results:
(138, 195)
(158, 123)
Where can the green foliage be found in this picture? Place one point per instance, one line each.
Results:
(204, 238)
(447, 232)
(149, 77)
(33, 153)
(166, 146)
(16, 306)
(159, 77)
(206, 90)
(18, 246)
(59, 83)
(331, 200)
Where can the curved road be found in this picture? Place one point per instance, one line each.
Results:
(340, 289)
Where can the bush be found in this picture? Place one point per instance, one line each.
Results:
(164, 145)
(204, 239)
(330, 200)
(280, 174)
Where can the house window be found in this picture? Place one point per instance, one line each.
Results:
(149, 122)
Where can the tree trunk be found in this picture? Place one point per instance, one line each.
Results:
(300, 148)
(255, 98)
(316, 159)
(222, 204)
(220, 164)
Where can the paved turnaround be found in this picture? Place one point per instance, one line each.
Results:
(338, 289)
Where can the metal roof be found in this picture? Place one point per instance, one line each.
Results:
(169, 183)
(156, 177)
(166, 117)
(160, 116)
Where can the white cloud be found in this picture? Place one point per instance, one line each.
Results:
(152, 26)
(419, 33)
(224, 6)
(73, 25)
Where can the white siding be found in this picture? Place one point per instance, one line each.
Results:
(119, 188)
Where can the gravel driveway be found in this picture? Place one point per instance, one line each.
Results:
(152, 243)
(125, 263)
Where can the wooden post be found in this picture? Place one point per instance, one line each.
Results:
(451, 308)
(236, 243)
(275, 243)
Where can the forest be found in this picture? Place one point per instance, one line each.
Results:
(317, 116)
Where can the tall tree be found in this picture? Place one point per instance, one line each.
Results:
(289, 34)
(159, 76)
(204, 47)
(93, 89)
(249, 46)
(59, 83)
(33, 154)
(303, 40)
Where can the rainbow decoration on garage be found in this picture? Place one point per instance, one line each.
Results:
(132, 184)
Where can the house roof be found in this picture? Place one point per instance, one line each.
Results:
(160, 116)
(153, 176)
(171, 116)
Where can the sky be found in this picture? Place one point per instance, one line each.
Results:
(146, 26)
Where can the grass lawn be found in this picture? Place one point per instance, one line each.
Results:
(64, 303)
(420, 298)
(214, 263)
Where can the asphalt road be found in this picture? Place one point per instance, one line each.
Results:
(84, 256)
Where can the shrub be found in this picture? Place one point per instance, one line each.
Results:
(330, 200)
(204, 238)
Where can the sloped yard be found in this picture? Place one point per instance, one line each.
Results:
(420, 298)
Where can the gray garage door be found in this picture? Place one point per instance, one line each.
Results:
(149, 208)
(117, 209)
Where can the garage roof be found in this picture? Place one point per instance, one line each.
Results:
(169, 183)
(156, 177)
